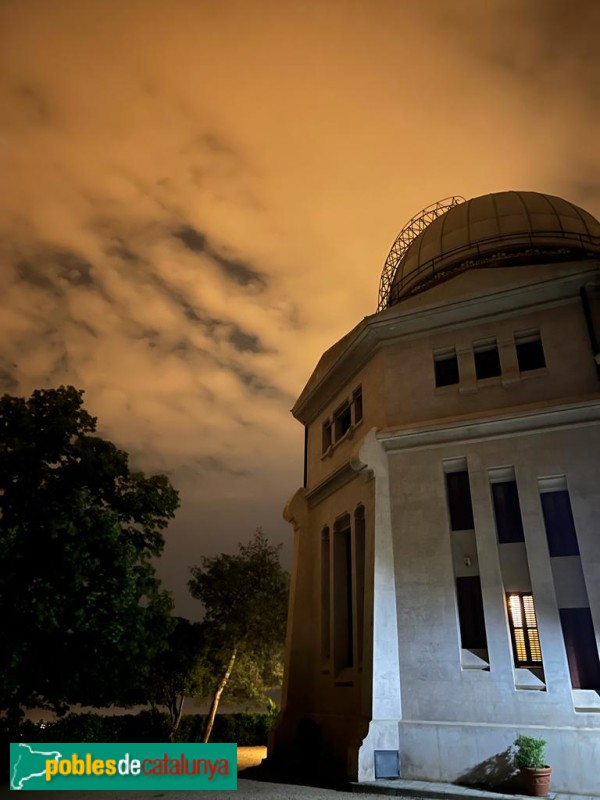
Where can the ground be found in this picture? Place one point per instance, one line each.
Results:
(253, 790)
(250, 756)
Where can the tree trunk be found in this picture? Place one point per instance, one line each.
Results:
(217, 696)
(179, 713)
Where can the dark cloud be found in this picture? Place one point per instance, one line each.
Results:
(257, 384)
(87, 327)
(123, 252)
(240, 271)
(217, 464)
(49, 268)
(33, 274)
(245, 342)
(191, 238)
(235, 269)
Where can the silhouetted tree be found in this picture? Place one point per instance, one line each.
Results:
(81, 610)
(180, 670)
(245, 602)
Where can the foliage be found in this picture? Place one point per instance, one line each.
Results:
(245, 601)
(148, 726)
(180, 670)
(81, 606)
(530, 752)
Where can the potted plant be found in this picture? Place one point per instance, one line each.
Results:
(532, 761)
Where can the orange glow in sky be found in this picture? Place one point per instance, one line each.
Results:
(198, 197)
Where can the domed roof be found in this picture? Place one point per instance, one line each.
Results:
(501, 229)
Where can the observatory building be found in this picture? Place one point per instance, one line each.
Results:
(445, 592)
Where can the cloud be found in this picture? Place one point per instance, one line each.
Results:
(235, 269)
(198, 199)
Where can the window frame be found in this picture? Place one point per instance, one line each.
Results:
(440, 356)
(532, 336)
(331, 433)
(528, 662)
(487, 346)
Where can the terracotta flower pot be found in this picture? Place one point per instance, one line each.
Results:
(536, 780)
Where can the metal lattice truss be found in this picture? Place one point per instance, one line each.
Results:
(405, 238)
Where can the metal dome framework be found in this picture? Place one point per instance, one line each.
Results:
(405, 238)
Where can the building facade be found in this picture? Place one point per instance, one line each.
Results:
(445, 591)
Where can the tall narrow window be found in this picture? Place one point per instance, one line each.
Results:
(459, 501)
(559, 523)
(530, 352)
(325, 598)
(507, 511)
(580, 643)
(342, 420)
(445, 366)
(357, 404)
(470, 613)
(359, 545)
(469, 598)
(343, 643)
(524, 631)
(487, 359)
(326, 435)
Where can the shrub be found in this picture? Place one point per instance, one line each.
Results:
(148, 726)
(530, 752)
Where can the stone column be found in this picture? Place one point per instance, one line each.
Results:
(386, 710)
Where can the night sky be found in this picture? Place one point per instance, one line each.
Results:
(198, 197)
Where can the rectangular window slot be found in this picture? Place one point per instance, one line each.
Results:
(487, 359)
(524, 631)
(507, 511)
(530, 352)
(445, 364)
(359, 549)
(580, 643)
(325, 598)
(358, 405)
(470, 613)
(326, 436)
(342, 421)
(459, 501)
(343, 644)
(559, 523)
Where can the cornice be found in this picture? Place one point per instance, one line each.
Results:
(499, 426)
(331, 484)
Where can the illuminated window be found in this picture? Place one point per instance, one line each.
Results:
(524, 630)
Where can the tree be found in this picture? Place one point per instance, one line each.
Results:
(81, 608)
(245, 602)
(180, 670)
